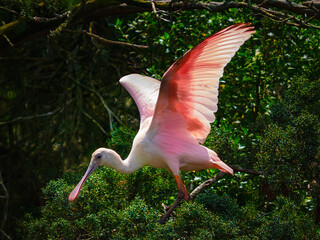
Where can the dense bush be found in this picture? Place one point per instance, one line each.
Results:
(103, 211)
(290, 145)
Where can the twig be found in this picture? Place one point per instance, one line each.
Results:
(104, 104)
(8, 40)
(39, 19)
(93, 120)
(6, 204)
(283, 17)
(237, 168)
(10, 10)
(311, 18)
(261, 4)
(6, 235)
(31, 117)
(36, 115)
(58, 17)
(263, 7)
(154, 8)
(157, 12)
(206, 185)
(84, 32)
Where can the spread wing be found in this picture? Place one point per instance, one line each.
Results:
(144, 90)
(189, 88)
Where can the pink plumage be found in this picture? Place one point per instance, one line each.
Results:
(144, 90)
(190, 86)
(175, 114)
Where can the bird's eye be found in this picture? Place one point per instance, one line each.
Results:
(98, 156)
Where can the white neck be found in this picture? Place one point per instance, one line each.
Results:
(127, 166)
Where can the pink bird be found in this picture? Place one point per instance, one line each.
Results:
(175, 114)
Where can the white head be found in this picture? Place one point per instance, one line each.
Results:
(100, 157)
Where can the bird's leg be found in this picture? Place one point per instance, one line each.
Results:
(182, 194)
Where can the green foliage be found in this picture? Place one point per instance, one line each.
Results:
(224, 206)
(101, 212)
(121, 141)
(136, 221)
(290, 147)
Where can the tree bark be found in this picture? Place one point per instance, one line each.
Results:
(27, 28)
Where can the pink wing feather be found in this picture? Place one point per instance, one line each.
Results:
(190, 86)
(144, 90)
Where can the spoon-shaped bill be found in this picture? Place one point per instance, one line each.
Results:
(74, 194)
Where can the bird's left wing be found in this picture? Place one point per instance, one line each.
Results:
(189, 88)
(144, 90)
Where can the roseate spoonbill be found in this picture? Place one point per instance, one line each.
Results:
(175, 114)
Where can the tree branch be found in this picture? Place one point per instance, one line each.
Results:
(6, 204)
(93, 120)
(286, 5)
(104, 104)
(237, 168)
(7, 236)
(220, 175)
(26, 27)
(84, 32)
(284, 17)
(21, 118)
(206, 185)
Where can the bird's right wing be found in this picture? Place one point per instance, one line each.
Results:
(144, 90)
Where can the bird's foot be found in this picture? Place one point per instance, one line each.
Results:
(180, 197)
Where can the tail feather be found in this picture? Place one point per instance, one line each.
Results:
(222, 166)
(218, 164)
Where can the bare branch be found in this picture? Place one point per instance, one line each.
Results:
(220, 175)
(6, 204)
(284, 17)
(286, 5)
(285, 11)
(237, 168)
(84, 32)
(156, 12)
(206, 185)
(21, 118)
(6, 235)
(154, 8)
(8, 40)
(104, 104)
(10, 10)
(93, 120)
(64, 15)
(110, 113)
(312, 3)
